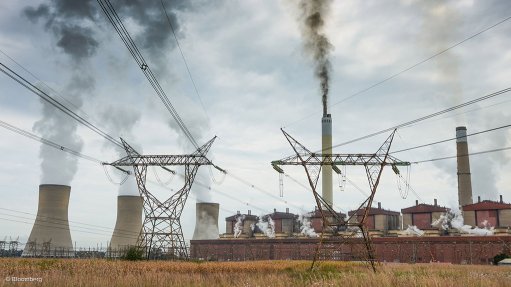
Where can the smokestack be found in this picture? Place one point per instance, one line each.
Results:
(464, 178)
(51, 227)
(379, 205)
(129, 221)
(478, 198)
(416, 202)
(501, 200)
(326, 144)
(206, 221)
(435, 202)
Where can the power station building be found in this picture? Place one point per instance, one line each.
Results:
(422, 215)
(488, 213)
(378, 218)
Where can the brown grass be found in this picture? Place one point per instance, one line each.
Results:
(98, 272)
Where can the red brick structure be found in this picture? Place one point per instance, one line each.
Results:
(451, 249)
(378, 218)
(317, 221)
(489, 213)
(422, 215)
(247, 221)
(285, 222)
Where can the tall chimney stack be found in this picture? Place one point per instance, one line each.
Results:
(326, 144)
(464, 178)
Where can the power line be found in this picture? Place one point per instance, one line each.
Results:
(471, 102)
(184, 59)
(451, 139)
(463, 155)
(407, 69)
(43, 83)
(121, 30)
(52, 101)
(47, 142)
(95, 160)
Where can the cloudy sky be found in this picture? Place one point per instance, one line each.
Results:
(253, 77)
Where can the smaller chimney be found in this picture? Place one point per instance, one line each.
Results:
(501, 200)
(478, 198)
(416, 202)
(287, 208)
(249, 212)
(274, 210)
(238, 212)
(379, 205)
(435, 202)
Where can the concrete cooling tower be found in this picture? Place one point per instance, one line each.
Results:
(129, 221)
(206, 222)
(50, 233)
(464, 177)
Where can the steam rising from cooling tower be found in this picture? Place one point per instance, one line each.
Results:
(316, 44)
(50, 232)
(206, 221)
(129, 222)
(75, 30)
(464, 177)
(69, 22)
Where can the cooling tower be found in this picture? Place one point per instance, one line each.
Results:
(464, 178)
(206, 222)
(326, 144)
(50, 233)
(129, 221)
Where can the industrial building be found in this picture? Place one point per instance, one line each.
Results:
(422, 215)
(488, 213)
(317, 220)
(245, 222)
(378, 218)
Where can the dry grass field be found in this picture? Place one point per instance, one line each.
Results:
(99, 272)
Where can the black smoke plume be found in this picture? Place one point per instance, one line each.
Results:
(316, 44)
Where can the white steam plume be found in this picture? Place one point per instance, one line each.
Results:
(238, 227)
(454, 220)
(267, 226)
(306, 226)
(413, 230)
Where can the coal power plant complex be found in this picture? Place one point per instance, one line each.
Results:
(255, 143)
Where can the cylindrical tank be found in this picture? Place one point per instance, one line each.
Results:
(464, 177)
(326, 143)
(206, 221)
(50, 233)
(129, 221)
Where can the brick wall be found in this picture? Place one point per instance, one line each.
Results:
(453, 249)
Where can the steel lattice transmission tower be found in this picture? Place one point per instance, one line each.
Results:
(161, 235)
(312, 163)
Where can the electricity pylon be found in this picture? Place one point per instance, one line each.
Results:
(161, 235)
(312, 163)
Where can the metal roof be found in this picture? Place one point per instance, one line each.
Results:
(486, 205)
(424, 208)
(374, 211)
